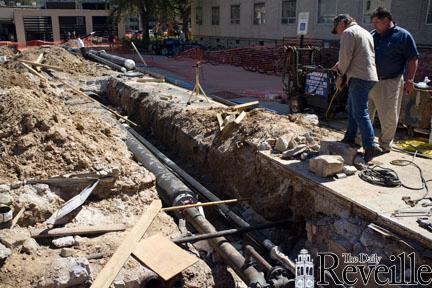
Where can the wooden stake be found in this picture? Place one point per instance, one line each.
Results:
(139, 54)
(17, 217)
(34, 71)
(181, 207)
(41, 65)
(245, 106)
(39, 60)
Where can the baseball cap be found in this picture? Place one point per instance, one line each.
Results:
(339, 18)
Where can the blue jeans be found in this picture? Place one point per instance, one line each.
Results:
(358, 116)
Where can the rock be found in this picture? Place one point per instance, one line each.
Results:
(66, 272)
(14, 238)
(41, 188)
(4, 188)
(67, 252)
(5, 199)
(271, 141)
(310, 118)
(64, 242)
(315, 147)
(4, 252)
(263, 146)
(30, 246)
(57, 135)
(340, 175)
(288, 154)
(349, 170)
(283, 142)
(338, 148)
(326, 165)
(304, 156)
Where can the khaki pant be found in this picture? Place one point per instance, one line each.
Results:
(385, 98)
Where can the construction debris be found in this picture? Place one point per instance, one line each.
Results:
(326, 165)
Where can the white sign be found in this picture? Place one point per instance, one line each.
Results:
(303, 20)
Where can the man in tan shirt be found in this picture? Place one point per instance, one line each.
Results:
(357, 63)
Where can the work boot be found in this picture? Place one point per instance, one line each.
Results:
(372, 152)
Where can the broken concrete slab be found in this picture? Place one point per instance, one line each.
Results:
(67, 252)
(66, 272)
(326, 165)
(282, 142)
(4, 188)
(263, 146)
(338, 148)
(288, 154)
(4, 252)
(30, 246)
(14, 238)
(5, 199)
(64, 242)
(349, 170)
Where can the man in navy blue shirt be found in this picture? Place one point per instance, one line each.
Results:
(395, 55)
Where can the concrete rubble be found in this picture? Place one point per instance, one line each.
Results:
(66, 272)
(326, 165)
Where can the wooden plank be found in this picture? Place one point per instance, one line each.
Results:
(149, 80)
(163, 257)
(34, 71)
(112, 268)
(240, 117)
(39, 60)
(17, 217)
(41, 65)
(245, 106)
(85, 230)
(220, 121)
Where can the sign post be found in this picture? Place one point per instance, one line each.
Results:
(302, 28)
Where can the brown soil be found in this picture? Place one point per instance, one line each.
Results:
(46, 131)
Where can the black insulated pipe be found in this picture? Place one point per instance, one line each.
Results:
(99, 59)
(172, 187)
(224, 210)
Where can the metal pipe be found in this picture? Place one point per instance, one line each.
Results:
(173, 188)
(129, 64)
(250, 253)
(224, 210)
(195, 238)
(95, 57)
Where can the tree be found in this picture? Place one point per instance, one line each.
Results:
(165, 10)
(145, 8)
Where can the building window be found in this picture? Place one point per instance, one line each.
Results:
(288, 11)
(198, 15)
(259, 13)
(326, 11)
(370, 5)
(429, 13)
(235, 14)
(215, 15)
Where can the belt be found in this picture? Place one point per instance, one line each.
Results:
(388, 77)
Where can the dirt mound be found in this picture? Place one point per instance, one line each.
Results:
(41, 137)
(58, 56)
(9, 78)
(7, 51)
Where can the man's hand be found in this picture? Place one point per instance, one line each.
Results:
(409, 86)
(339, 83)
(335, 67)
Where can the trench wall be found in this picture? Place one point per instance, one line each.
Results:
(326, 222)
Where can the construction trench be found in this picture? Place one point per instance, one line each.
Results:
(55, 142)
